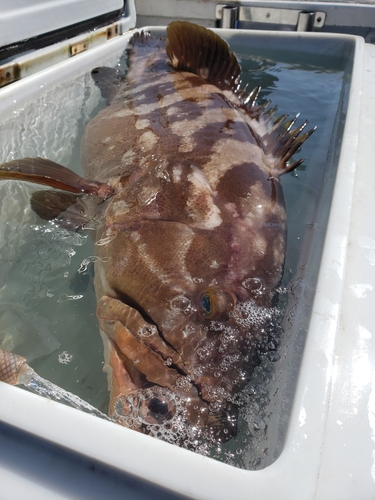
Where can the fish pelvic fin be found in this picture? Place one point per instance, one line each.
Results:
(200, 51)
(48, 173)
(65, 209)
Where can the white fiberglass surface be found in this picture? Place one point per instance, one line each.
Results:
(25, 19)
(46, 297)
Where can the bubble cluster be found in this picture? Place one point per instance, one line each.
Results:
(250, 315)
(164, 414)
(64, 358)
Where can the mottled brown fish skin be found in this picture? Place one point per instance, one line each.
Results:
(196, 227)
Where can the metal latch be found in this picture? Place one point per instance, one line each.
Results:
(299, 20)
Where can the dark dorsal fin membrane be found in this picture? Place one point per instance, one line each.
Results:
(198, 50)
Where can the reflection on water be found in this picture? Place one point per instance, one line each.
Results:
(47, 302)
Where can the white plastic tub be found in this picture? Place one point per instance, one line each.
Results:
(308, 381)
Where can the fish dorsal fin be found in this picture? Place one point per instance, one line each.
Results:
(200, 51)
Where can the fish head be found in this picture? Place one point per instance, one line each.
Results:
(185, 318)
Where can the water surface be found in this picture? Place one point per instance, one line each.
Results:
(46, 294)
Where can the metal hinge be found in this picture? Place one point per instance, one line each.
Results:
(82, 45)
(230, 15)
(77, 48)
(8, 74)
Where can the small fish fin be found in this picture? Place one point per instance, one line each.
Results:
(108, 80)
(66, 209)
(48, 173)
(277, 137)
(198, 50)
(281, 140)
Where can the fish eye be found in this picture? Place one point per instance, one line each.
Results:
(205, 305)
(216, 303)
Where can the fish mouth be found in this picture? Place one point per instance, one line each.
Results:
(151, 390)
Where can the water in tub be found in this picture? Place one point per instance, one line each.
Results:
(47, 300)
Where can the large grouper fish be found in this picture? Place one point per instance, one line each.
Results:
(182, 180)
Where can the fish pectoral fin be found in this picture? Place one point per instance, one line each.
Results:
(119, 379)
(112, 310)
(48, 173)
(146, 361)
(200, 51)
(66, 209)
(108, 80)
(146, 332)
(125, 326)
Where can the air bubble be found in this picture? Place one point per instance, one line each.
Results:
(189, 329)
(147, 331)
(202, 352)
(273, 356)
(64, 358)
(253, 284)
(181, 304)
(63, 297)
(168, 362)
(216, 326)
(183, 382)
